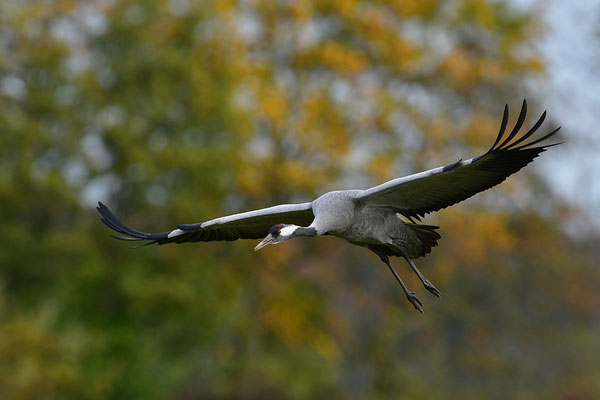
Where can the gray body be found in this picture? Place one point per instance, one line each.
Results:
(343, 214)
(381, 218)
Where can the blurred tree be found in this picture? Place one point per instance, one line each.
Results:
(182, 111)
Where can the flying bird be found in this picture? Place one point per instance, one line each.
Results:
(385, 219)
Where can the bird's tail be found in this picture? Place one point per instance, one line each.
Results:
(427, 235)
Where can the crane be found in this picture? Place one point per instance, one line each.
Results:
(385, 219)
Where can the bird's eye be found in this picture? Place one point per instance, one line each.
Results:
(279, 232)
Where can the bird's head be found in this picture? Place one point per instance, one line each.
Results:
(277, 234)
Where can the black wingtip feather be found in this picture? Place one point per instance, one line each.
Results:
(530, 132)
(110, 220)
(517, 126)
(526, 145)
(133, 239)
(546, 146)
(502, 128)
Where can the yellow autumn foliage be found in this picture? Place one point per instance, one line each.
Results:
(182, 111)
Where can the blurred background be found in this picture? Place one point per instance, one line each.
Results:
(180, 111)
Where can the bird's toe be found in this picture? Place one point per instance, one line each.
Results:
(432, 289)
(415, 301)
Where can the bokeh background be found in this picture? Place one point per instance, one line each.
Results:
(180, 111)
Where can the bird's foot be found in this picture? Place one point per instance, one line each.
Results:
(415, 301)
(432, 289)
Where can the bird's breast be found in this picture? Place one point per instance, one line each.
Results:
(334, 212)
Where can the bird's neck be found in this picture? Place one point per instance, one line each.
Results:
(305, 231)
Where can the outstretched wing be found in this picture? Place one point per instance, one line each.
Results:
(416, 195)
(248, 225)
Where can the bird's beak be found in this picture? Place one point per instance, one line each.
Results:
(266, 241)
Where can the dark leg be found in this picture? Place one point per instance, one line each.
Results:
(409, 295)
(428, 285)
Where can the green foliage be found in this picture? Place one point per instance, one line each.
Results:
(180, 111)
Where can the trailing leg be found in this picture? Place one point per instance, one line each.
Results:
(428, 285)
(414, 300)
